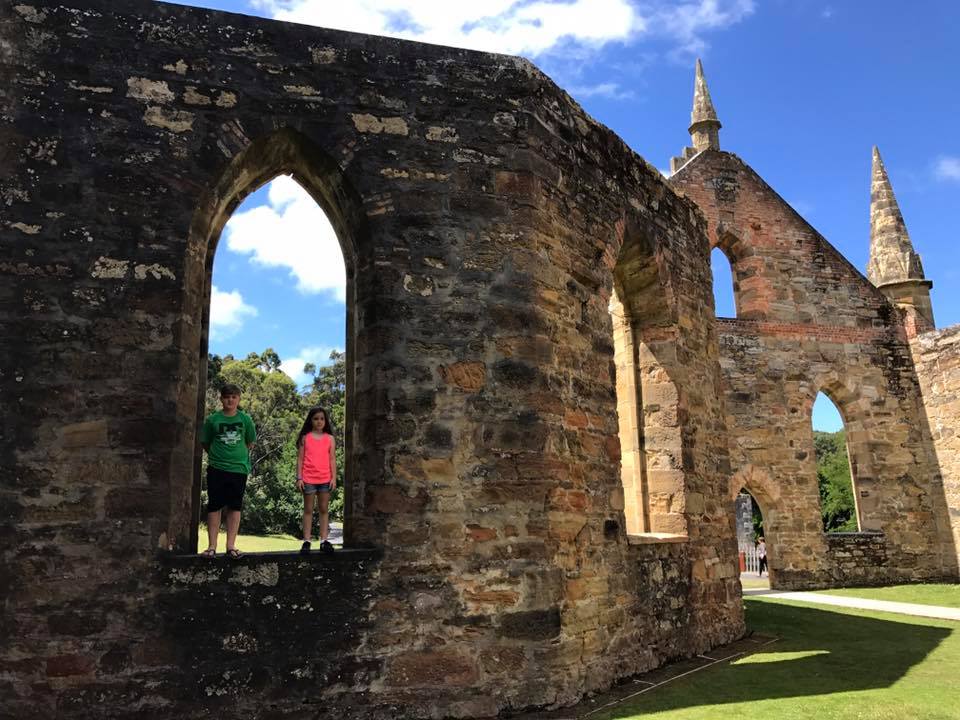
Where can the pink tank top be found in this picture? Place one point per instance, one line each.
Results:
(316, 459)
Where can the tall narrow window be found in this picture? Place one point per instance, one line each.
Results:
(648, 402)
(277, 331)
(724, 299)
(835, 479)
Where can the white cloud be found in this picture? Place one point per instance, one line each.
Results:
(521, 27)
(293, 366)
(292, 232)
(227, 313)
(609, 90)
(948, 168)
(687, 21)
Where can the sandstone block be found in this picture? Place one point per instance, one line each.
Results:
(432, 668)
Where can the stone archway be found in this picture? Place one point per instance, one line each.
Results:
(766, 493)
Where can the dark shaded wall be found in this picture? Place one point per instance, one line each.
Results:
(481, 214)
(808, 322)
(936, 355)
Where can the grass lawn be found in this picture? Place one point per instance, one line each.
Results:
(944, 595)
(829, 664)
(252, 543)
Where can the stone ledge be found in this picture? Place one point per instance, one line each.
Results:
(656, 538)
(858, 534)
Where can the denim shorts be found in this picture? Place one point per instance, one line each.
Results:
(311, 488)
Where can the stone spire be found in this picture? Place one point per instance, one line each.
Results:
(892, 258)
(894, 265)
(704, 124)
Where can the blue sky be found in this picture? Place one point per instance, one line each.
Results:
(804, 89)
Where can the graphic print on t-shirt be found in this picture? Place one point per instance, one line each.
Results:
(230, 433)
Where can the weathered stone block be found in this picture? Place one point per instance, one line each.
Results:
(446, 667)
(531, 624)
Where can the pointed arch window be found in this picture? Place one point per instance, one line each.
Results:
(283, 152)
(277, 327)
(724, 287)
(836, 479)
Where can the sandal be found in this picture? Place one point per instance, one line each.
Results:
(234, 554)
(209, 553)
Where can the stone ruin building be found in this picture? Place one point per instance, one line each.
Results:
(546, 423)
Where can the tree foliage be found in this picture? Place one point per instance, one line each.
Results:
(836, 487)
(278, 407)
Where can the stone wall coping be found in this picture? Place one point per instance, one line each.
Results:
(344, 556)
(652, 538)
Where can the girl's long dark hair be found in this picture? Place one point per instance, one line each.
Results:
(308, 424)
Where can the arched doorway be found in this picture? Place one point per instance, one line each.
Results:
(756, 507)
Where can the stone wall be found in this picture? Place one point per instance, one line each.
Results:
(936, 356)
(858, 559)
(743, 512)
(483, 218)
(807, 321)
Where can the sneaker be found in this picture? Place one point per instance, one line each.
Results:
(305, 548)
(326, 547)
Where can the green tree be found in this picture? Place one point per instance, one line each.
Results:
(837, 504)
(757, 521)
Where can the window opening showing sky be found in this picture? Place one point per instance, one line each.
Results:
(724, 300)
(279, 281)
(826, 417)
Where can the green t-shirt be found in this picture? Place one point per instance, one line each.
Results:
(227, 439)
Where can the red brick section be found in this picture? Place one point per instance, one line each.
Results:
(802, 331)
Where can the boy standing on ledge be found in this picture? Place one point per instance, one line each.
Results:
(227, 437)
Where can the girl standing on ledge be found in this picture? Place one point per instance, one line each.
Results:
(316, 474)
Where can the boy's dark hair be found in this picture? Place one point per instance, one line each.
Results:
(229, 389)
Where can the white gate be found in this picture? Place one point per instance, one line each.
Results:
(752, 560)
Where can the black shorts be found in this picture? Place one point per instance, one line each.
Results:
(224, 489)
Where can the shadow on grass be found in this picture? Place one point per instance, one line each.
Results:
(820, 652)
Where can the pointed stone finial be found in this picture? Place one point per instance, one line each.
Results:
(892, 257)
(894, 265)
(704, 124)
